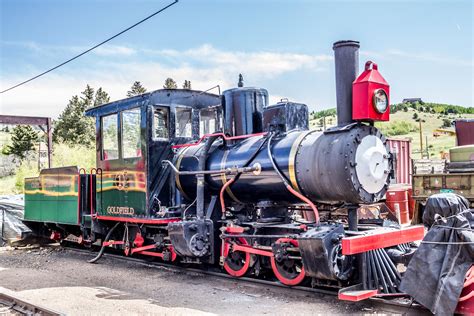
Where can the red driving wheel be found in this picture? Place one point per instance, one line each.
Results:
(288, 271)
(236, 262)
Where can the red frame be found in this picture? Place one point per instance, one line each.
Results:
(138, 220)
(381, 239)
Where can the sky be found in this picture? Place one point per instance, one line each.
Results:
(422, 48)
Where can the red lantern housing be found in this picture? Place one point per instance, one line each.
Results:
(370, 95)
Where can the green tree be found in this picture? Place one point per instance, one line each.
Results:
(101, 97)
(170, 84)
(323, 113)
(446, 123)
(23, 138)
(72, 126)
(415, 116)
(187, 85)
(136, 89)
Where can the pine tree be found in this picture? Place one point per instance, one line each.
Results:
(170, 84)
(23, 139)
(101, 97)
(187, 85)
(72, 126)
(136, 89)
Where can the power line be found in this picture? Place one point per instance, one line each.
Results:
(90, 49)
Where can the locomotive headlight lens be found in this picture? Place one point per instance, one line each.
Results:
(380, 101)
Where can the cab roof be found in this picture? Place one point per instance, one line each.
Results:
(168, 97)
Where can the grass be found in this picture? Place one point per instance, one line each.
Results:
(437, 145)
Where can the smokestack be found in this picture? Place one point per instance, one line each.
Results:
(346, 58)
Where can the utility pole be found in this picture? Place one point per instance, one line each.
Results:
(421, 139)
(427, 147)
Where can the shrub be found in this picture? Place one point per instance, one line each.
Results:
(446, 123)
(27, 169)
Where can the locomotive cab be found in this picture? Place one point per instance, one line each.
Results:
(134, 135)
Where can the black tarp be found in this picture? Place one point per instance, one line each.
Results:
(435, 275)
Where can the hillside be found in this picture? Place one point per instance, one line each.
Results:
(403, 125)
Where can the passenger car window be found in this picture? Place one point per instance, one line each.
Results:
(109, 137)
(131, 141)
(207, 121)
(160, 123)
(183, 122)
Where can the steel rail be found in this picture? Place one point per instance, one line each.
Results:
(23, 307)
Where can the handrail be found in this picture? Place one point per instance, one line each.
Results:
(94, 171)
(225, 137)
(227, 171)
(79, 193)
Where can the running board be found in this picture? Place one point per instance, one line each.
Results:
(355, 293)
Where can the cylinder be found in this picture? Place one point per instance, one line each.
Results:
(351, 165)
(397, 200)
(346, 58)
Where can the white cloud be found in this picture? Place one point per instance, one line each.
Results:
(205, 66)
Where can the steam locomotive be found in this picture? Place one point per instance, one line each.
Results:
(190, 176)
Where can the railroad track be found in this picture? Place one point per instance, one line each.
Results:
(395, 304)
(11, 305)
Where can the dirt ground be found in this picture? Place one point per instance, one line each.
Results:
(62, 280)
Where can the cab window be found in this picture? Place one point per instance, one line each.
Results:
(160, 123)
(109, 137)
(183, 122)
(131, 140)
(207, 122)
